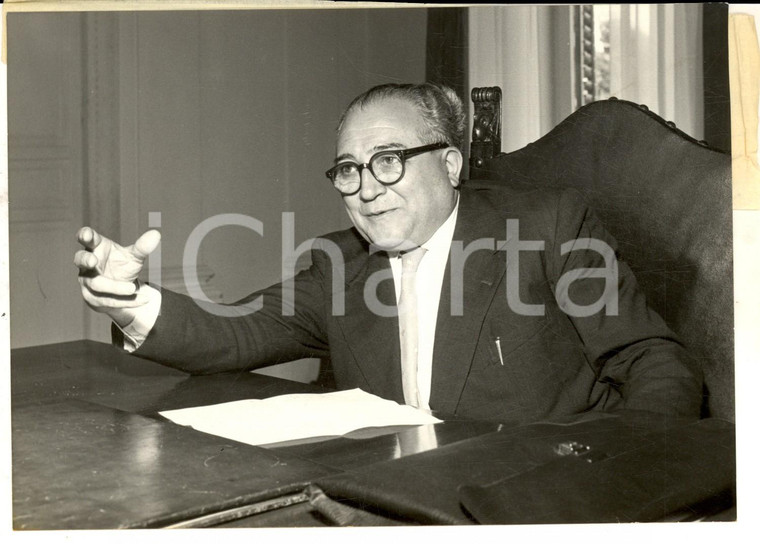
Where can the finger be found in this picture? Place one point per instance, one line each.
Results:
(106, 286)
(146, 244)
(101, 303)
(89, 238)
(84, 235)
(85, 261)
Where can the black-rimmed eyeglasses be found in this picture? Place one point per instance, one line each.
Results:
(387, 166)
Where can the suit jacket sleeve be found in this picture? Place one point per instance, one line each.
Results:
(628, 345)
(260, 330)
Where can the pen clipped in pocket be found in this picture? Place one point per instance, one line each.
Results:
(497, 343)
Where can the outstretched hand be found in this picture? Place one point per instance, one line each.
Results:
(108, 272)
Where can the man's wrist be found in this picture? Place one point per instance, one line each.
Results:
(136, 323)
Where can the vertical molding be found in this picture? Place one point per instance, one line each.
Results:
(129, 157)
(286, 90)
(198, 43)
(584, 48)
(100, 137)
(101, 122)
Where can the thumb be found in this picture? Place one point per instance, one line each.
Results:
(146, 244)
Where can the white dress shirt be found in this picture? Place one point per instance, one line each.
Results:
(145, 317)
(429, 281)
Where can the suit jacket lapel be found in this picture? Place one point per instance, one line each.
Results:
(373, 339)
(457, 335)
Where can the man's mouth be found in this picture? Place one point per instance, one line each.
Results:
(378, 213)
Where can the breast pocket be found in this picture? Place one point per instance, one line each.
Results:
(503, 339)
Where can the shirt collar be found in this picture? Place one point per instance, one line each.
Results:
(440, 241)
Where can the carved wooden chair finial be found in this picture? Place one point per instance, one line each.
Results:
(486, 125)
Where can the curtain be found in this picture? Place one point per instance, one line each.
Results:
(717, 109)
(446, 49)
(446, 58)
(510, 48)
(655, 58)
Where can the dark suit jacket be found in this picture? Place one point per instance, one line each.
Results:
(553, 364)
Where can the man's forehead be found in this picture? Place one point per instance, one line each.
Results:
(380, 123)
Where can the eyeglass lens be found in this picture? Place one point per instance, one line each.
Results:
(386, 167)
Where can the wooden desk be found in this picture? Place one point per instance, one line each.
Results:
(89, 451)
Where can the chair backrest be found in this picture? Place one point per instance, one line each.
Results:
(666, 199)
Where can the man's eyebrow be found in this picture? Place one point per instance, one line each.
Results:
(380, 147)
(344, 157)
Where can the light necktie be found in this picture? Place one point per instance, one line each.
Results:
(408, 325)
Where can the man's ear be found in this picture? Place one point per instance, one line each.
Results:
(454, 161)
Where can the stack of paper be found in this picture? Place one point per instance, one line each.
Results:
(294, 417)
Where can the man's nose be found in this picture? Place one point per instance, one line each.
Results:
(371, 188)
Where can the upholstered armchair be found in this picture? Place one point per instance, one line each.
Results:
(664, 196)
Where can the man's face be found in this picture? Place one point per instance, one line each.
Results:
(407, 213)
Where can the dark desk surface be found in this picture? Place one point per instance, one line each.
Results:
(89, 450)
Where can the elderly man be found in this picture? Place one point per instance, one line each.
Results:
(482, 301)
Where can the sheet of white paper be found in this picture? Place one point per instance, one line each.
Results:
(293, 417)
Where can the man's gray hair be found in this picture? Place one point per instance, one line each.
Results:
(440, 107)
